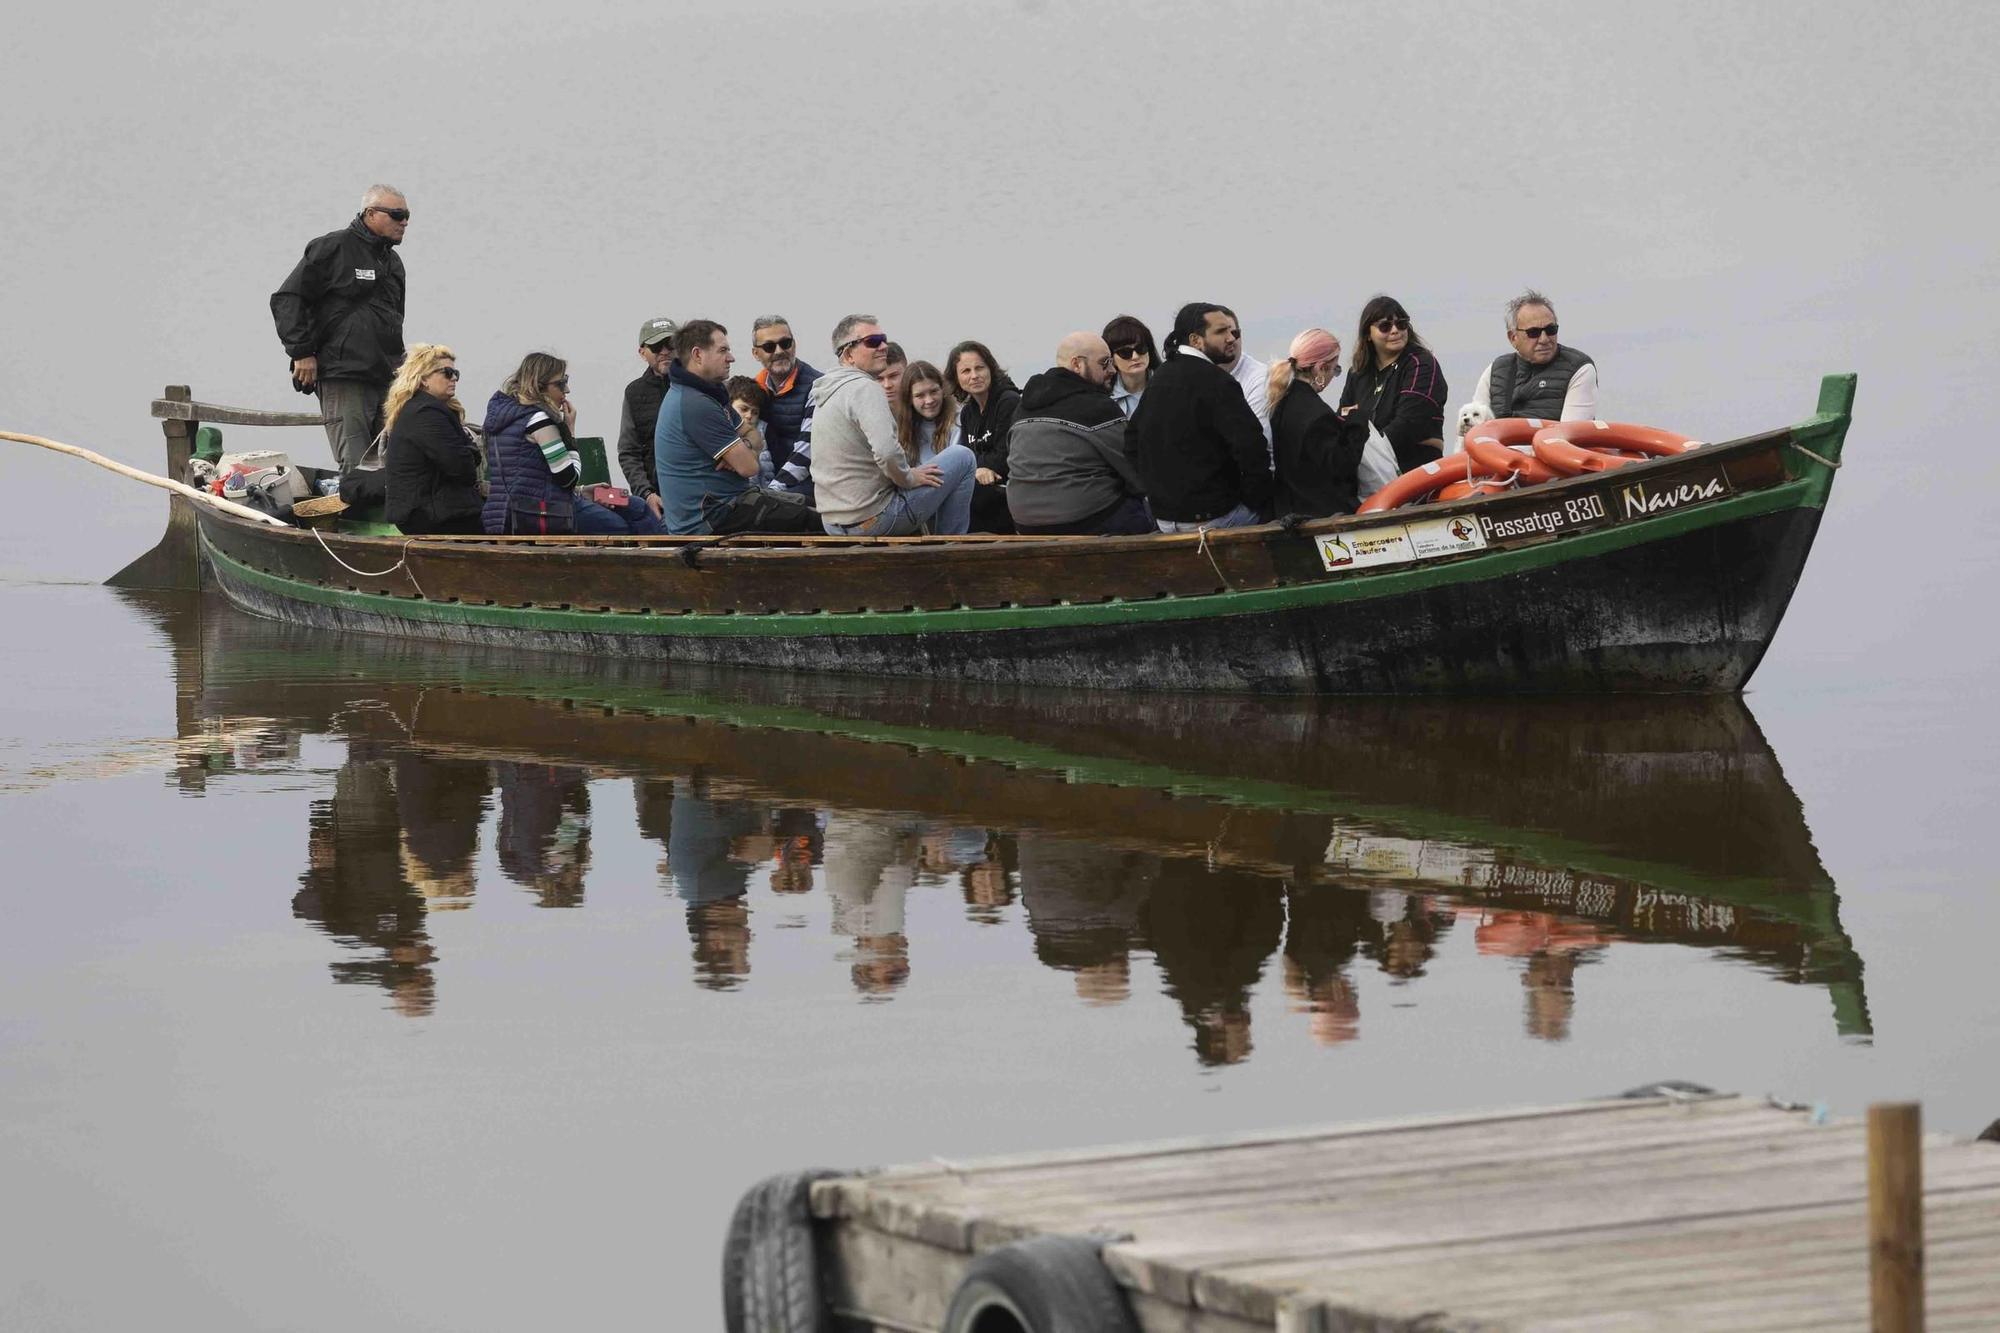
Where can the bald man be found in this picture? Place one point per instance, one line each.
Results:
(1067, 471)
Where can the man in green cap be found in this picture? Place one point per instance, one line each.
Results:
(642, 411)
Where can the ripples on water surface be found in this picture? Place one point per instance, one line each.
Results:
(452, 960)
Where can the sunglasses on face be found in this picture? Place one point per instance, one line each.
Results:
(1391, 323)
(449, 372)
(562, 384)
(1132, 353)
(872, 340)
(394, 214)
(777, 345)
(1549, 329)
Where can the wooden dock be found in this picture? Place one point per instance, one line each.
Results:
(1668, 1212)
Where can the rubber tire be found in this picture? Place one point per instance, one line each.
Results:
(770, 1270)
(1050, 1284)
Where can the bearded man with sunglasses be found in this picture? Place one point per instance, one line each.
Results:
(1540, 377)
(340, 317)
(789, 417)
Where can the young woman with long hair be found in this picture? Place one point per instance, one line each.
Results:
(926, 413)
(532, 465)
(1395, 386)
(1134, 356)
(987, 400)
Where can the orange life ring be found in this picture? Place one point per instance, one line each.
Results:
(1497, 457)
(1421, 481)
(1460, 490)
(1573, 447)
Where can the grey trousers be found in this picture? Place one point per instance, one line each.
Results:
(353, 412)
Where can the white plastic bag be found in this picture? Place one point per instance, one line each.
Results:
(1378, 464)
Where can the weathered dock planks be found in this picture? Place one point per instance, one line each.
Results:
(1711, 1211)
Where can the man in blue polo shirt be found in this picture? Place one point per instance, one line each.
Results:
(707, 473)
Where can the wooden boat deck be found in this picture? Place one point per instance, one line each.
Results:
(1711, 1212)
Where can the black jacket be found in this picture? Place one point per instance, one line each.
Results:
(643, 397)
(1067, 448)
(1196, 444)
(985, 433)
(432, 469)
(1317, 459)
(343, 303)
(1405, 402)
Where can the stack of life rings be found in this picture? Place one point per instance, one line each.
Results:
(1513, 452)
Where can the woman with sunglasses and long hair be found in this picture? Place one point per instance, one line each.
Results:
(1395, 386)
(1134, 356)
(431, 471)
(532, 464)
(987, 401)
(926, 413)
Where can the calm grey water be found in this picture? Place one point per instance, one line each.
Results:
(347, 984)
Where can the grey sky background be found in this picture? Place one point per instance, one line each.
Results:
(1725, 200)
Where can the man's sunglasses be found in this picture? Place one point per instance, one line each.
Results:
(395, 214)
(776, 345)
(1391, 323)
(872, 340)
(1549, 329)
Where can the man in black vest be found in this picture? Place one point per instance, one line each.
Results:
(641, 413)
(1540, 377)
(340, 316)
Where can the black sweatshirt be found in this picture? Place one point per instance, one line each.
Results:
(1196, 443)
(1317, 459)
(1405, 402)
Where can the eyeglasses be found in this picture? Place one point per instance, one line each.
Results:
(562, 384)
(778, 345)
(1132, 353)
(1531, 334)
(449, 372)
(394, 214)
(1391, 323)
(872, 340)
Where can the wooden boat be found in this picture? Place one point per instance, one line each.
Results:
(1665, 576)
(1569, 811)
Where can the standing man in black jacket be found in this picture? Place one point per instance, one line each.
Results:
(340, 317)
(1194, 440)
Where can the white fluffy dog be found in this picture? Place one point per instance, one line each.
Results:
(1472, 414)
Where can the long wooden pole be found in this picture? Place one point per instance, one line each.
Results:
(1896, 1217)
(123, 470)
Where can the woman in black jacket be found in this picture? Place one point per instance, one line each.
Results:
(1395, 385)
(1316, 457)
(432, 470)
(987, 401)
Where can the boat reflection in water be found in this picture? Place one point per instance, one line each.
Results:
(1216, 836)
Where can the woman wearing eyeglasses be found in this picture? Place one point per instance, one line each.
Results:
(1134, 356)
(431, 471)
(987, 400)
(532, 465)
(1396, 387)
(1317, 458)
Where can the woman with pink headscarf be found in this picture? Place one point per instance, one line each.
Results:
(1315, 466)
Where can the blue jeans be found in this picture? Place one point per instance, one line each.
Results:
(908, 511)
(1242, 516)
(595, 520)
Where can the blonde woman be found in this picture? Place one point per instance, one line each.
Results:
(532, 468)
(431, 471)
(1317, 459)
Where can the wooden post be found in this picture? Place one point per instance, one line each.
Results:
(176, 561)
(1896, 1217)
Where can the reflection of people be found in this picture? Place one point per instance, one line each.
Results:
(1410, 926)
(544, 838)
(1326, 925)
(355, 889)
(709, 858)
(869, 868)
(440, 803)
(1211, 930)
(1553, 948)
(987, 884)
(1083, 902)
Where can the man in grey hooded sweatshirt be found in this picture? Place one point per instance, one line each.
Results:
(865, 484)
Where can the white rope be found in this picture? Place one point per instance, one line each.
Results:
(402, 561)
(1826, 462)
(164, 483)
(1201, 545)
